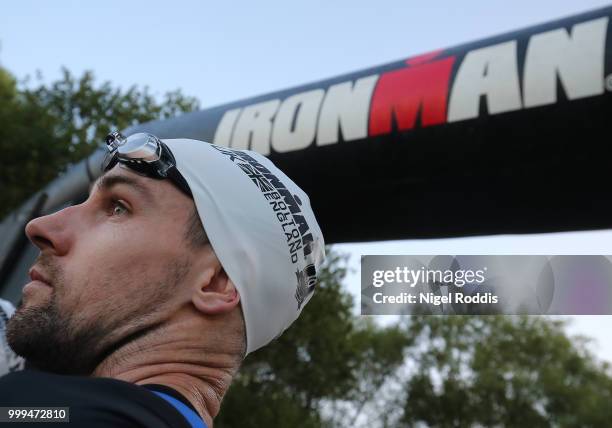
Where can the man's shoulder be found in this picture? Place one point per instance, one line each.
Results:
(37, 386)
(93, 402)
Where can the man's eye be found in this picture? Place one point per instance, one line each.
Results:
(117, 208)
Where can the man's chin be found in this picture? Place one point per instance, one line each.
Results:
(30, 333)
(27, 325)
(44, 337)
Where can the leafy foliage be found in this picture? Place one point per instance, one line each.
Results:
(326, 358)
(46, 128)
(338, 370)
(503, 371)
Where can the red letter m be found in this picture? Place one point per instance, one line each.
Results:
(403, 92)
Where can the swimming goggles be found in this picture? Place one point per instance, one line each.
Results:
(145, 154)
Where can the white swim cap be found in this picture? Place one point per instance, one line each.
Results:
(262, 229)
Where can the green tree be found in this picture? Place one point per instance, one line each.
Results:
(26, 142)
(322, 371)
(47, 127)
(512, 371)
(334, 369)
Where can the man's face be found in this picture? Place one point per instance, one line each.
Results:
(114, 263)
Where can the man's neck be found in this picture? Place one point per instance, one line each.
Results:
(197, 371)
(203, 395)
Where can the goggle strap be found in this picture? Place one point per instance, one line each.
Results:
(179, 180)
(110, 160)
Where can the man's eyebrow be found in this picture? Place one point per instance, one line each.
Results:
(106, 182)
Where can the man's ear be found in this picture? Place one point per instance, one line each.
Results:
(214, 293)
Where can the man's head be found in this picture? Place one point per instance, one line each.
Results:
(120, 264)
(239, 257)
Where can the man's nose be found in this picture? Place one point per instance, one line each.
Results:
(52, 232)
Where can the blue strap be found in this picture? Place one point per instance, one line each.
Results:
(192, 417)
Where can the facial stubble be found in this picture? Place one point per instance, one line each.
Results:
(62, 342)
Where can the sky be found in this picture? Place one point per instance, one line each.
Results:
(226, 51)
